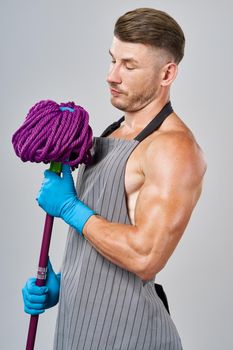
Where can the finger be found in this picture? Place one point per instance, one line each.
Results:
(35, 299)
(48, 178)
(30, 300)
(66, 171)
(32, 288)
(50, 175)
(33, 306)
(33, 311)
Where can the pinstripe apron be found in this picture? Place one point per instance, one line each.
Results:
(103, 306)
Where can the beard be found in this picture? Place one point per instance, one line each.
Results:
(136, 101)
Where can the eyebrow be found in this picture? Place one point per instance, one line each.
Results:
(128, 59)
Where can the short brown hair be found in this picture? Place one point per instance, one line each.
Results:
(152, 27)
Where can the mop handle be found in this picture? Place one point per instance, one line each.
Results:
(42, 266)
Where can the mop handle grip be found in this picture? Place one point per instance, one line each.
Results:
(42, 266)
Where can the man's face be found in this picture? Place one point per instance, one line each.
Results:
(134, 75)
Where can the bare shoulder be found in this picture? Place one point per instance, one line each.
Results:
(174, 151)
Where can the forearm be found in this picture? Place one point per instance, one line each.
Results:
(124, 245)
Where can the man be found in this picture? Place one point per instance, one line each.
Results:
(131, 205)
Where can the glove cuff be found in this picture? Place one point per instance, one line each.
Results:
(76, 215)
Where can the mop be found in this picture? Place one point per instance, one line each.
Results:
(55, 134)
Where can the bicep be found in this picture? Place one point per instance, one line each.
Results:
(161, 220)
(165, 203)
(159, 211)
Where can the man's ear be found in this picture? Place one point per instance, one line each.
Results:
(169, 73)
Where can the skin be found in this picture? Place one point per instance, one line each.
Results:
(164, 174)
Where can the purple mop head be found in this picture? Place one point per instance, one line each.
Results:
(53, 132)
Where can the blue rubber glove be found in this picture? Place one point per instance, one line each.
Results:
(37, 299)
(58, 198)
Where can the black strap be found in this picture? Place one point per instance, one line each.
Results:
(162, 295)
(152, 126)
(155, 122)
(112, 127)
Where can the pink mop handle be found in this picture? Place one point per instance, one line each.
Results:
(41, 276)
(42, 266)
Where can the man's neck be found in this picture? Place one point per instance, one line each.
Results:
(138, 120)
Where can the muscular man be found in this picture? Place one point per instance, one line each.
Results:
(130, 206)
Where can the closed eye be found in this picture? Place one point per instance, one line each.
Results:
(129, 68)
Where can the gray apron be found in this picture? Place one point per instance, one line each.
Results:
(103, 306)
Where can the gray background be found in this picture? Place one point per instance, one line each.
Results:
(59, 50)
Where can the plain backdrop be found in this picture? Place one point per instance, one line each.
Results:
(59, 50)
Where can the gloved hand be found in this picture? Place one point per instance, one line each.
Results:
(37, 299)
(58, 197)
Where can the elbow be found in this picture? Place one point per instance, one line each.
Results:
(146, 275)
(147, 259)
(147, 268)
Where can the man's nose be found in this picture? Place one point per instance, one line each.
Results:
(114, 75)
